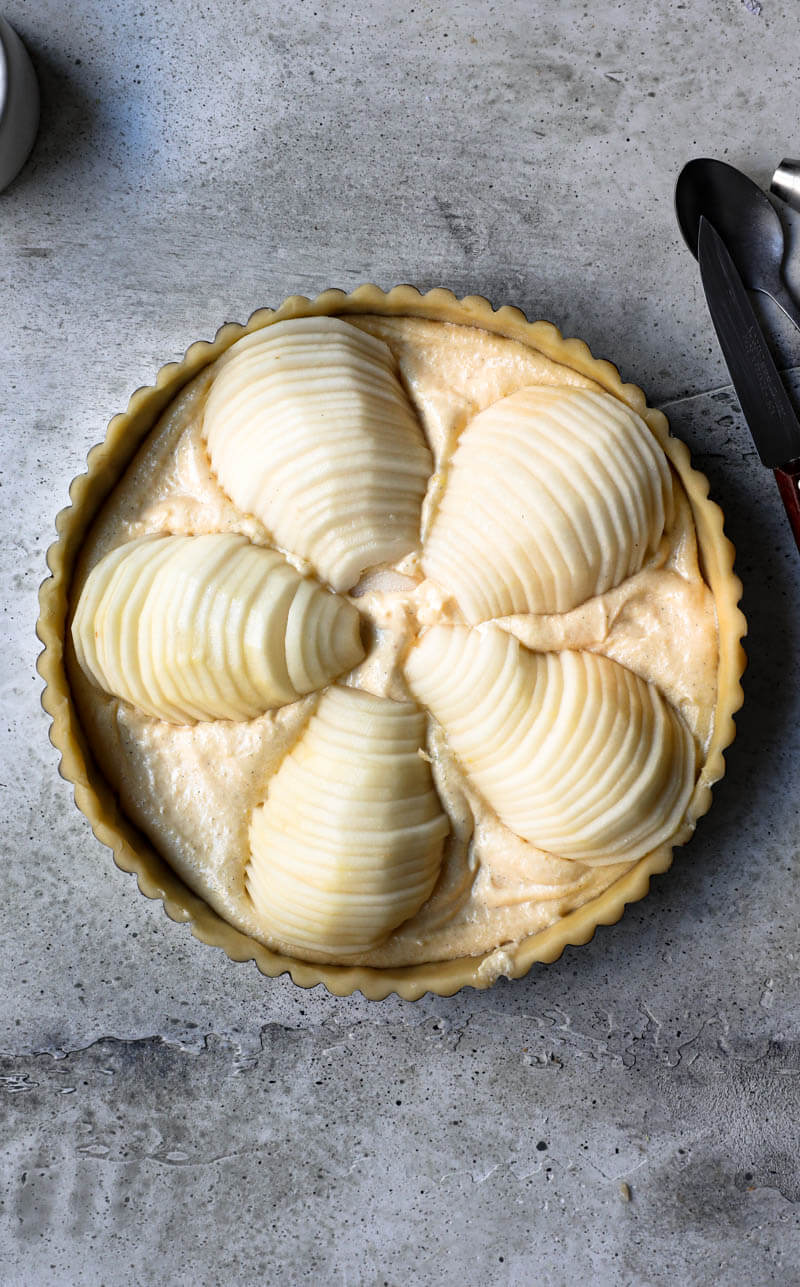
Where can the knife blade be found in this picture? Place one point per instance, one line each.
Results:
(765, 403)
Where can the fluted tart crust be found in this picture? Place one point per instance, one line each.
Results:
(411, 643)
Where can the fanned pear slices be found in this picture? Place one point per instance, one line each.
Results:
(349, 841)
(553, 496)
(574, 752)
(308, 428)
(209, 627)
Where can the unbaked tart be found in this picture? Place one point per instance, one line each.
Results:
(404, 634)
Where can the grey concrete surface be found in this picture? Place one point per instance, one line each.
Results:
(168, 1116)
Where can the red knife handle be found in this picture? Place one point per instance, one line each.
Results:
(788, 480)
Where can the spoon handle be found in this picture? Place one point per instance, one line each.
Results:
(788, 480)
(787, 305)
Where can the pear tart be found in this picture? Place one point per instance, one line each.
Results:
(408, 638)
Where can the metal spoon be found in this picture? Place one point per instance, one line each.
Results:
(786, 182)
(745, 219)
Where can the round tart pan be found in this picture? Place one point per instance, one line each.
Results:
(134, 853)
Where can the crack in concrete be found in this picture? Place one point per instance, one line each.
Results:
(651, 1040)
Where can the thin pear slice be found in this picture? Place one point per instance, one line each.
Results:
(209, 627)
(553, 495)
(575, 753)
(308, 428)
(348, 843)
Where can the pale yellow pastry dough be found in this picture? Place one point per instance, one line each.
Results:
(207, 794)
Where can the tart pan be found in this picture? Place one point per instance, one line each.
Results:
(133, 852)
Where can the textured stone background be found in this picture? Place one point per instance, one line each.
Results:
(168, 1115)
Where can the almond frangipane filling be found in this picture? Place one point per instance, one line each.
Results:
(394, 640)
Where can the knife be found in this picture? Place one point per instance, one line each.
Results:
(764, 401)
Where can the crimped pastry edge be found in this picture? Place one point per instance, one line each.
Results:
(133, 853)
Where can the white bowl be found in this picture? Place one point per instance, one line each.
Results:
(19, 104)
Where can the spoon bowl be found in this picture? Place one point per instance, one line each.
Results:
(786, 182)
(19, 104)
(745, 219)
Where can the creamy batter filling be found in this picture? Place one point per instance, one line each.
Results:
(192, 788)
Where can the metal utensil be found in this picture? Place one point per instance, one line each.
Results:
(745, 219)
(759, 388)
(19, 104)
(786, 182)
